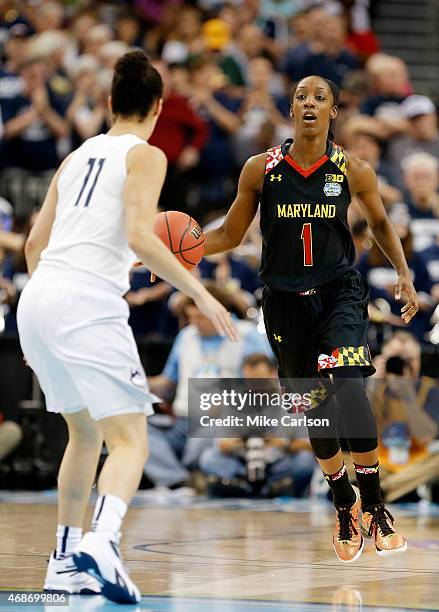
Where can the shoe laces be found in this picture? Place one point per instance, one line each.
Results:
(380, 520)
(346, 523)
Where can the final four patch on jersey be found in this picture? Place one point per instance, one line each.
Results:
(345, 356)
(332, 189)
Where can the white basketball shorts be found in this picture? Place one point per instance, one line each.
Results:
(75, 336)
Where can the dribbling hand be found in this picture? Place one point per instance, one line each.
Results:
(404, 287)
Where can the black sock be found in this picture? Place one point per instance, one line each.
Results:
(368, 478)
(342, 491)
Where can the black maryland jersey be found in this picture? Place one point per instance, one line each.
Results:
(305, 233)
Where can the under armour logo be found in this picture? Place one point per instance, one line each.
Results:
(278, 338)
(276, 177)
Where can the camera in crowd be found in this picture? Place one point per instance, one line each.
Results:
(397, 366)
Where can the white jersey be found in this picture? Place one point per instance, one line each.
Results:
(88, 234)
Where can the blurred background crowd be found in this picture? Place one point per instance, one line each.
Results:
(229, 68)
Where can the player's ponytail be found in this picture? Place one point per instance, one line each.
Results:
(136, 85)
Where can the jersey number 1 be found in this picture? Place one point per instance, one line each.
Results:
(91, 163)
(307, 244)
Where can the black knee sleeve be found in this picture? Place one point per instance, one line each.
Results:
(323, 438)
(324, 448)
(355, 409)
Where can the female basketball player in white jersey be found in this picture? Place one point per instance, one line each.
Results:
(95, 222)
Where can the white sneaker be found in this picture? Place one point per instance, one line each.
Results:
(62, 575)
(99, 556)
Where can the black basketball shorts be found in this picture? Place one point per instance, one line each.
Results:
(313, 332)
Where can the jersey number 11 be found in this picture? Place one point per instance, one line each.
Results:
(91, 163)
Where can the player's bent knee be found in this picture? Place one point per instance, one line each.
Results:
(128, 430)
(324, 448)
(362, 445)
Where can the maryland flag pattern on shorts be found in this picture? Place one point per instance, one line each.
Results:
(345, 356)
(318, 395)
(338, 157)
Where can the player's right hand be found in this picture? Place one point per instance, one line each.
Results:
(218, 315)
(404, 287)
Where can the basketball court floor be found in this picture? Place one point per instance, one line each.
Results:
(232, 556)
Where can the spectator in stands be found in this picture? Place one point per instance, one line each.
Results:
(34, 122)
(308, 42)
(186, 33)
(129, 29)
(87, 112)
(197, 352)
(299, 25)
(331, 59)
(11, 435)
(15, 274)
(286, 459)
(52, 47)
(422, 134)
(264, 116)
(15, 49)
(150, 317)
(366, 146)
(361, 40)
(209, 97)
(9, 241)
(155, 10)
(406, 405)
(48, 16)
(97, 36)
(81, 24)
(109, 53)
(355, 89)
(421, 179)
(381, 278)
(390, 86)
(430, 257)
(234, 274)
(181, 133)
(11, 83)
(216, 37)
(250, 42)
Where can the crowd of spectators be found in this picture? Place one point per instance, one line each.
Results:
(229, 68)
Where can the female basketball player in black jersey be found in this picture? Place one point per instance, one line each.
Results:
(315, 301)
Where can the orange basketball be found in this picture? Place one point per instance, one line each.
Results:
(182, 235)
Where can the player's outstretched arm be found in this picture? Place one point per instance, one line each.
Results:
(146, 170)
(242, 211)
(363, 184)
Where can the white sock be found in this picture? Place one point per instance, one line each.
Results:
(67, 539)
(109, 514)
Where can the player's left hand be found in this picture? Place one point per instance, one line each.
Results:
(404, 287)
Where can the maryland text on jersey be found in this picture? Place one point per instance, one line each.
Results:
(325, 211)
